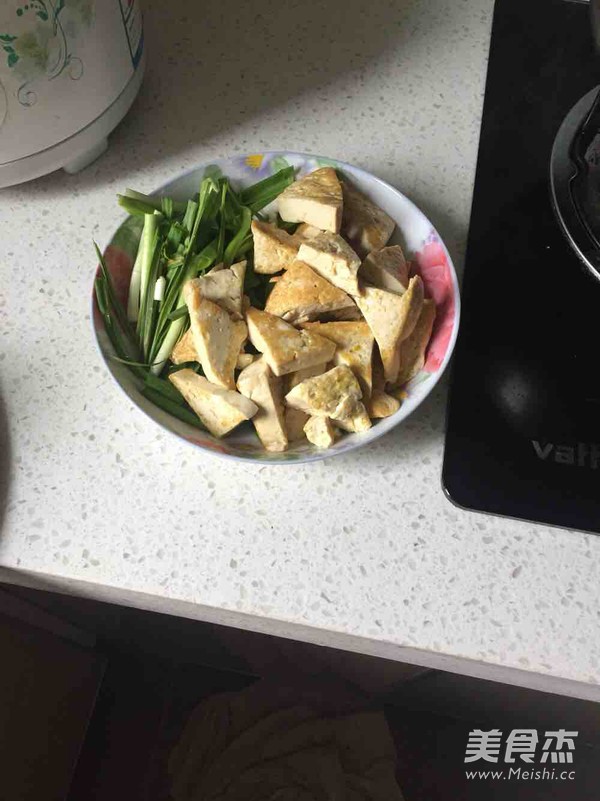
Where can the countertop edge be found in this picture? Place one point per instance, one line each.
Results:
(331, 638)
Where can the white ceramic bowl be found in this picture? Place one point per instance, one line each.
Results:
(414, 232)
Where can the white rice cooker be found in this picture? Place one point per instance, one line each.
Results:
(69, 71)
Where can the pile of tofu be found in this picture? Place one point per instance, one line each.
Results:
(338, 290)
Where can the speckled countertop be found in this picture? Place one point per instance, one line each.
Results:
(361, 551)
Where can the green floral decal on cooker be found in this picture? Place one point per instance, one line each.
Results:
(44, 49)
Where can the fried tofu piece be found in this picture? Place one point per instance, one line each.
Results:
(274, 248)
(333, 258)
(217, 338)
(224, 286)
(386, 269)
(334, 394)
(413, 348)
(306, 231)
(398, 392)
(364, 224)
(295, 419)
(392, 319)
(350, 314)
(378, 373)
(323, 394)
(380, 404)
(301, 294)
(354, 348)
(284, 347)
(293, 379)
(353, 417)
(315, 199)
(184, 350)
(320, 431)
(260, 386)
(243, 360)
(220, 410)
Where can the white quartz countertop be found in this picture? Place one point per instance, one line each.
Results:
(363, 551)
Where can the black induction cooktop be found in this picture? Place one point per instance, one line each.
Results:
(523, 435)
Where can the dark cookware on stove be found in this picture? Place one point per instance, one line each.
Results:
(575, 171)
(595, 17)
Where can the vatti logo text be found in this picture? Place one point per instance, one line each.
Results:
(580, 454)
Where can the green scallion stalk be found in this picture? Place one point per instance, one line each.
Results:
(181, 412)
(179, 241)
(113, 304)
(145, 251)
(150, 305)
(233, 248)
(137, 203)
(167, 206)
(245, 246)
(120, 344)
(136, 208)
(163, 344)
(189, 217)
(148, 246)
(165, 388)
(132, 363)
(221, 237)
(171, 338)
(160, 288)
(168, 332)
(208, 188)
(175, 368)
(232, 209)
(178, 313)
(169, 303)
(133, 299)
(175, 237)
(259, 195)
(200, 263)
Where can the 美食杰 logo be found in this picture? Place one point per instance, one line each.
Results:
(529, 754)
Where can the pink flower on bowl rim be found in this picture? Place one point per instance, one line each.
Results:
(431, 263)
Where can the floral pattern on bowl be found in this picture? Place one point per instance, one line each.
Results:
(43, 45)
(414, 232)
